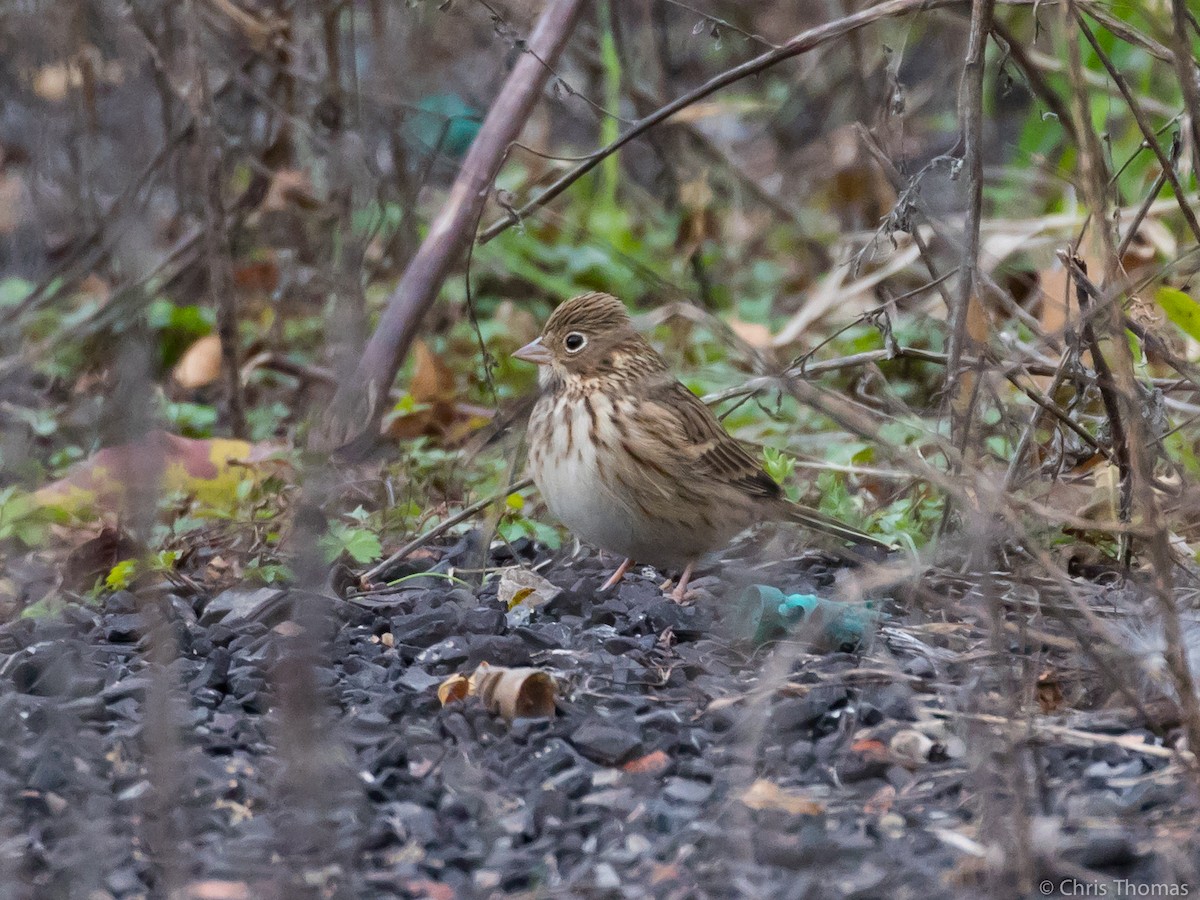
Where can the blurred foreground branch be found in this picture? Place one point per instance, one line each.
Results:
(357, 407)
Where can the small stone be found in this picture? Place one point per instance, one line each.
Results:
(487, 879)
(910, 748)
(686, 790)
(124, 629)
(607, 878)
(892, 825)
(605, 744)
(233, 605)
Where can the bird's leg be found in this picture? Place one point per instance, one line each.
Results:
(618, 575)
(680, 591)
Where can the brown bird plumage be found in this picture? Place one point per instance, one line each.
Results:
(632, 461)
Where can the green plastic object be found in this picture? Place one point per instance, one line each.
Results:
(767, 613)
(445, 123)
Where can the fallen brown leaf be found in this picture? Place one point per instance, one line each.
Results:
(764, 794)
(200, 364)
(650, 764)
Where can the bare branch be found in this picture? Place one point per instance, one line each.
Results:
(797, 46)
(361, 402)
(970, 117)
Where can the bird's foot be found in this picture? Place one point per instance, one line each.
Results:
(680, 594)
(617, 575)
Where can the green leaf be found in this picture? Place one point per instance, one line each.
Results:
(362, 545)
(121, 575)
(164, 560)
(777, 464)
(1180, 309)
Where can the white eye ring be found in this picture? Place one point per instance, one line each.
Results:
(574, 342)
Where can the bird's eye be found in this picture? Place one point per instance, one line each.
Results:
(574, 342)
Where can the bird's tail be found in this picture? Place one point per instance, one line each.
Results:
(810, 518)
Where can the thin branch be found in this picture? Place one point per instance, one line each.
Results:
(359, 406)
(441, 528)
(1185, 67)
(1105, 382)
(1140, 463)
(798, 45)
(1147, 132)
(1033, 75)
(970, 116)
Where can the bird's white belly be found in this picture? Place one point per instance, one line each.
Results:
(590, 501)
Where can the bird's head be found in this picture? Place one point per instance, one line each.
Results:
(590, 336)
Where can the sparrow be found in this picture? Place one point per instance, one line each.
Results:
(633, 462)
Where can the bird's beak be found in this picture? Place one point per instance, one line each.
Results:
(535, 352)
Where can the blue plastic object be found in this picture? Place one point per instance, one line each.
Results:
(768, 613)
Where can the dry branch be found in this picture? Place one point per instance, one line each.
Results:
(1168, 166)
(797, 46)
(970, 118)
(1185, 67)
(360, 403)
(1137, 447)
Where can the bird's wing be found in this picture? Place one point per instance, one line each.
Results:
(687, 438)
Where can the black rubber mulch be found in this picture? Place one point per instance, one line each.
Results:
(253, 761)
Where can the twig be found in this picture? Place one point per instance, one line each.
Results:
(970, 116)
(442, 527)
(1037, 83)
(1139, 116)
(798, 45)
(1185, 67)
(216, 244)
(359, 406)
(939, 232)
(1139, 216)
(1126, 32)
(1014, 464)
(1132, 743)
(275, 362)
(98, 242)
(1106, 383)
(1138, 447)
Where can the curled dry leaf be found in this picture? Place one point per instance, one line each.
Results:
(521, 693)
(764, 794)
(434, 411)
(516, 693)
(456, 687)
(432, 379)
(522, 591)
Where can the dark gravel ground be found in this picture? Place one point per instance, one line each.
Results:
(200, 747)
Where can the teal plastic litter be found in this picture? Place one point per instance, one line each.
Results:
(445, 123)
(767, 613)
